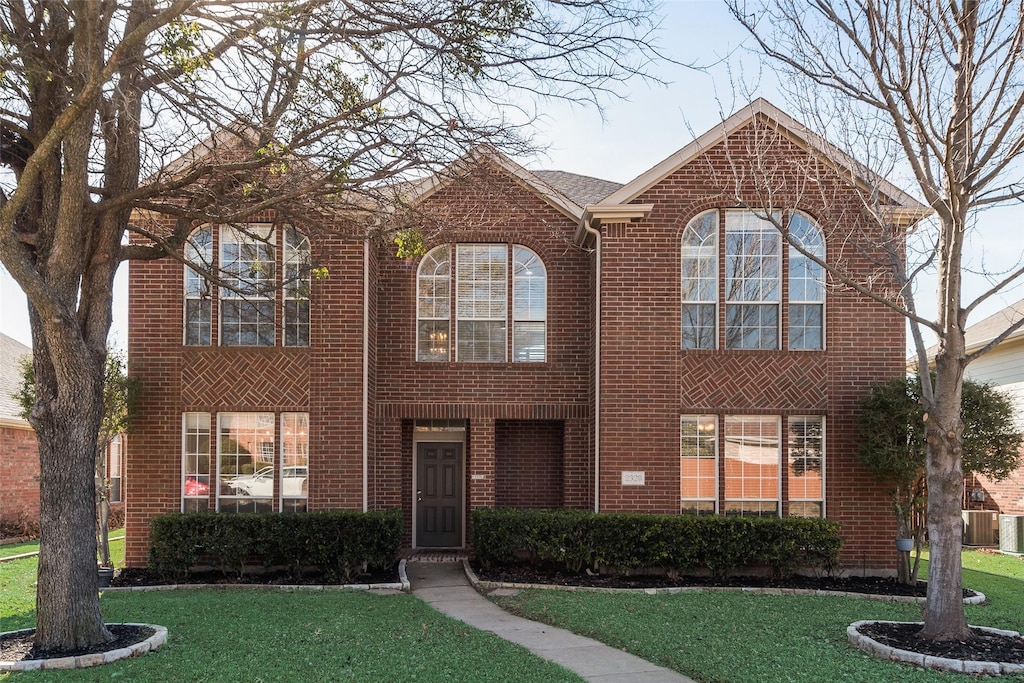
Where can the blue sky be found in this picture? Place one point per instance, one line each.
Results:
(637, 132)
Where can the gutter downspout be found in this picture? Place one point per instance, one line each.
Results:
(366, 376)
(597, 368)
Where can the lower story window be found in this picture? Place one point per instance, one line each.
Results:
(250, 474)
(733, 465)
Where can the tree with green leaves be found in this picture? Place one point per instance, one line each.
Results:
(893, 447)
(150, 117)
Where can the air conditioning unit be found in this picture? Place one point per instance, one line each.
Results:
(1011, 533)
(981, 527)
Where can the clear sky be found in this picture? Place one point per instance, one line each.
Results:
(628, 136)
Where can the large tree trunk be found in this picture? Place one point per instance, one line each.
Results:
(66, 416)
(944, 617)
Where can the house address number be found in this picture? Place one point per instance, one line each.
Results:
(633, 478)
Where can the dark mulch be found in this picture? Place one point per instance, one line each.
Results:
(131, 576)
(16, 647)
(853, 584)
(982, 647)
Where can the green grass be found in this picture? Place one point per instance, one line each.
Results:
(733, 637)
(273, 635)
(18, 548)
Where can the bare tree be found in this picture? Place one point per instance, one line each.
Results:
(121, 116)
(935, 88)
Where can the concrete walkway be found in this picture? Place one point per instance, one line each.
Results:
(444, 586)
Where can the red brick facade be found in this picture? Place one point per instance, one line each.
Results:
(19, 472)
(528, 431)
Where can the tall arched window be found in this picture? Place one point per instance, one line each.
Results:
(699, 292)
(247, 259)
(296, 288)
(433, 305)
(806, 285)
(529, 306)
(199, 251)
(753, 290)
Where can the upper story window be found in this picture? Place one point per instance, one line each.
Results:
(247, 303)
(752, 288)
(486, 289)
(806, 285)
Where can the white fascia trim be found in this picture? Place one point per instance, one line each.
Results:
(15, 423)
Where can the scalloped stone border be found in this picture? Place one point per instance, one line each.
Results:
(975, 599)
(158, 638)
(964, 666)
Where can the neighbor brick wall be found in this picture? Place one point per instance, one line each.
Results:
(19, 480)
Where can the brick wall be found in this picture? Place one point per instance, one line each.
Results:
(19, 474)
(529, 464)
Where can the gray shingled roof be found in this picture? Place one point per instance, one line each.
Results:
(579, 188)
(987, 329)
(11, 353)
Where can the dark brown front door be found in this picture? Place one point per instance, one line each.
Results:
(439, 495)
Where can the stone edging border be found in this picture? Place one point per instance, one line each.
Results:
(973, 667)
(402, 585)
(975, 599)
(158, 638)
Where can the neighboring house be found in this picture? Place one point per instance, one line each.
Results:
(1003, 368)
(19, 455)
(563, 342)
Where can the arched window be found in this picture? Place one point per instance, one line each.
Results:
(198, 251)
(529, 306)
(296, 288)
(433, 305)
(806, 285)
(699, 293)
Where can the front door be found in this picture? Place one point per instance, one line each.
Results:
(439, 495)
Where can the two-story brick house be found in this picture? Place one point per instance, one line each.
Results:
(563, 342)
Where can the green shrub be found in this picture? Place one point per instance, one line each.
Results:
(576, 539)
(338, 543)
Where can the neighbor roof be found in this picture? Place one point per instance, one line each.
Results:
(11, 354)
(984, 331)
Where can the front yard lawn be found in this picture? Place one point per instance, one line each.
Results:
(732, 637)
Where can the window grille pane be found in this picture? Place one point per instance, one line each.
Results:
(752, 463)
(432, 340)
(752, 286)
(245, 457)
(698, 326)
(806, 456)
(481, 341)
(698, 463)
(806, 286)
(528, 343)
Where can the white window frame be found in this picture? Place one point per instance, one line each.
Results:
(263, 287)
(703, 253)
(297, 284)
(185, 453)
(261, 420)
(438, 339)
(301, 424)
(748, 223)
(535, 262)
(490, 308)
(795, 257)
(195, 286)
(824, 460)
(713, 499)
(778, 461)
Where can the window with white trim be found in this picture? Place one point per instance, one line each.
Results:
(698, 464)
(245, 462)
(195, 462)
(247, 259)
(806, 285)
(199, 251)
(485, 290)
(114, 468)
(297, 284)
(753, 459)
(805, 476)
(294, 461)
(700, 282)
(752, 289)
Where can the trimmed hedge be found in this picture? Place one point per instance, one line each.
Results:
(577, 539)
(338, 543)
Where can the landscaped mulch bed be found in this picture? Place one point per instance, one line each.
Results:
(135, 576)
(851, 584)
(983, 647)
(17, 647)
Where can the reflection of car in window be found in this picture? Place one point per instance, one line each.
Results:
(195, 487)
(260, 484)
